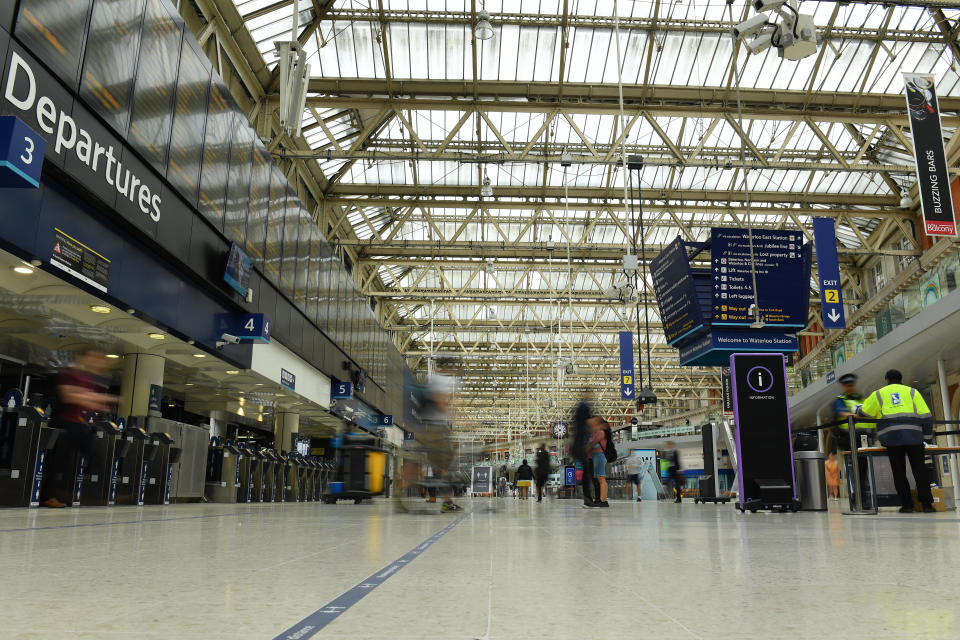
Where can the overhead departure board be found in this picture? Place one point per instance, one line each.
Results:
(189, 118)
(676, 292)
(238, 187)
(216, 153)
(55, 31)
(155, 85)
(259, 203)
(108, 66)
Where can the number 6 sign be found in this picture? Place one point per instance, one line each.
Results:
(21, 154)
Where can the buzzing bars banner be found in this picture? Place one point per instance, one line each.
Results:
(933, 176)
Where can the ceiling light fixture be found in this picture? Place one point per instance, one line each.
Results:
(99, 308)
(112, 356)
(199, 355)
(23, 269)
(231, 372)
(156, 336)
(483, 29)
(486, 191)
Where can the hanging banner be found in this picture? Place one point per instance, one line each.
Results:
(626, 365)
(933, 176)
(828, 269)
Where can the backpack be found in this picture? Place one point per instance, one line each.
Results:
(610, 451)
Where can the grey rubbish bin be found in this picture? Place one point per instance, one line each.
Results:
(811, 480)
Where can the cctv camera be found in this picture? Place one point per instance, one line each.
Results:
(768, 5)
(760, 44)
(226, 339)
(750, 27)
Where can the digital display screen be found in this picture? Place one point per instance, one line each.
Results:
(108, 68)
(190, 114)
(155, 85)
(55, 31)
(238, 188)
(216, 153)
(237, 274)
(259, 203)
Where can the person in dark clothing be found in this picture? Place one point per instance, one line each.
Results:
(583, 419)
(542, 471)
(80, 392)
(671, 456)
(524, 479)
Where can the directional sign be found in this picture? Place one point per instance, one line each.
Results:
(253, 326)
(626, 365)
(828, 269)
(21, 154)
(777, 261)
(341, 390)
(674, 287)
(715, 348)
(386, 420)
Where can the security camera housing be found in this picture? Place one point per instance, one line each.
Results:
(750, 26)
(768, 5)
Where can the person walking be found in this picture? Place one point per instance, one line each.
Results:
(634, 465)
(832, 468)
(906, 418)
(542, 471)
(524, 479)
(595, 449)
(673, 460)
(583, 419)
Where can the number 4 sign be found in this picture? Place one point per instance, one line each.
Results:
(254, 326)
(21, 154)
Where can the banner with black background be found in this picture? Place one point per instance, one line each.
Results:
(933, 177)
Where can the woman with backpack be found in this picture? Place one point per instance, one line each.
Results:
(596, 449)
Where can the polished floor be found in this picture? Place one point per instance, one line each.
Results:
(522, 570)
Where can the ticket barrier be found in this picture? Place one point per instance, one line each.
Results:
(317, 475)
(287, 466)
(263, 477)
(279, 475)
(97, 473)
(301, 482)
(160, 469)
(132, 480)
(26, 440)
(248, 462)
(223, 471)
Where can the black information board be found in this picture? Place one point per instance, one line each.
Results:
(108, 66)
(783, 288)
(482, 480)
(189, 118)
(55, 31)
(79, 260)
(216, 153)
(675, 289)
(155, 85)
(761, 409)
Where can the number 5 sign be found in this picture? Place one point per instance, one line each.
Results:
(21, 154)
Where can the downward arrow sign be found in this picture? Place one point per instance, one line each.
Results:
(833, 315)
(628, 392)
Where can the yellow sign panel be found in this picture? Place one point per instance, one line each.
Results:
(832, 296)
(627, 379)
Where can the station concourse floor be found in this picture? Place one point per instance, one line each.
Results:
(523, 570)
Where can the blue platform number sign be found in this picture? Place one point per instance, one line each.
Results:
(254, 326)
(341, 390)
(21, 154)
(386, 420)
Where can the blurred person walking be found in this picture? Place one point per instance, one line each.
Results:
(673, 460)
(634, 466)
(595, 449)
(542, 471)
(81, 393)
(583, 418)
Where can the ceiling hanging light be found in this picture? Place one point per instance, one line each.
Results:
(486, 191)
(483, 29)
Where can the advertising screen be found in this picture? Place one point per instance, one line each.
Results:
(237, 274)
(189, 118)
(108, 68)
(155, 85)
(54, 31)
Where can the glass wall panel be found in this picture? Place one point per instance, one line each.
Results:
(273, 251)
(189, 120)
(291, 232)
(55, 31)
(303, 260)
(238, 187)
(216, 153)
(259, 204)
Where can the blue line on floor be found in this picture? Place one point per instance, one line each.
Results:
(316, 621)
(110, 524)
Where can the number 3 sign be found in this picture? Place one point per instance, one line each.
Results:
(21, 154)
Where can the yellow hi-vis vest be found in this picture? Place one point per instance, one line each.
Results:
(852, 405)
(897, 401)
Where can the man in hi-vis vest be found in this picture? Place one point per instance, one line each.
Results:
(903, 410)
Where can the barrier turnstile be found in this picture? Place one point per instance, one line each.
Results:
(223, 471)
(26, 440)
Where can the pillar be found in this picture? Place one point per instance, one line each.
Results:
(951, 440)
(286, 426)
(142, 380)
(218, 423)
